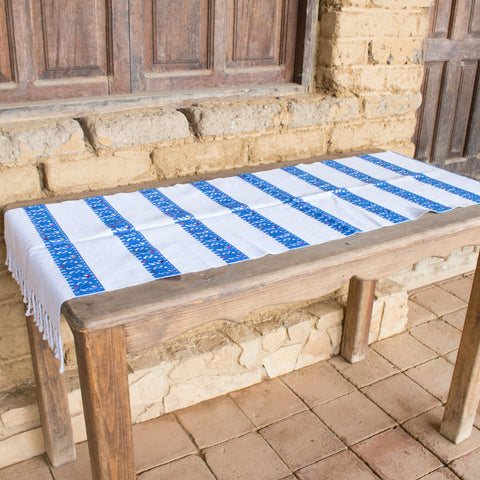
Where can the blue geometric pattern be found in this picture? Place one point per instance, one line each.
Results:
(194, 227)
(148, 256)
(72, 266)
(300, 205)
(250, 216)
(346, 195)
(387, 187)
(423, 178)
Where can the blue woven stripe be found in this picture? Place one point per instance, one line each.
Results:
(135, 242)
(346, 195)
(300, 205)
(72, 266)
(387, 187)
(195, 227)
(250, 216)
(423, 178)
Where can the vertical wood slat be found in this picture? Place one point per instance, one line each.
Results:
(52, 399)
(7, 50)
(446, 114)
(304, 69)
(473, 142)
(427, 116)
(119, 51)
(439, 27)
(463, 109)
(358, 315)
(23, 35)
(464, 394)
(102, 367)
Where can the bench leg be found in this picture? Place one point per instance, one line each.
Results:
(52, 399)
(464, 393)
(361, 294)
(102, 366)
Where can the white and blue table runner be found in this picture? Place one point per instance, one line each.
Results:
(64, 250)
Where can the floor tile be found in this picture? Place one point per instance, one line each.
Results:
(437, 300)
(214, 421)
(400, 397)
(318, 383)
(34, 468)
(434, 376)
(341, 466)
(403, 350)
(368, 371)
(247, 457)
(425, 429)
(267, 402)
(456, 319)
(301, 440)
(441, 474)
(354, 417)
(394, 455)
(459, 286)
(417, 314)
(468, 466)
(159, 441)
(451, 356)
(438, 335)
(188, 468)
(77, 470)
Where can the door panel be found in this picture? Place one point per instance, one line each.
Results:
(207, 43)
(7, 68)
(249, 42)
(68, 49)
(70, 38)
(181, 39)
(447, 128)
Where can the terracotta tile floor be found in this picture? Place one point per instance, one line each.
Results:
(375, 419)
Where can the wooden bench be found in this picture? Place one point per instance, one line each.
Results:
(109, 325)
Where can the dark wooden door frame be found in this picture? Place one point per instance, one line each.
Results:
(23, 97)
(448, 127)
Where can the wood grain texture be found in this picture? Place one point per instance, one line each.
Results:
(52, 399)
(358, 316)
(102, 367)
(447, 131)
(464, 394)
(7, 50)
(162, 309)
(70, 38)
(181, 40)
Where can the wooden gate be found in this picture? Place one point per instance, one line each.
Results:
(448, 128)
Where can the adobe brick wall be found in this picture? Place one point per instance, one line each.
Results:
(368, 80)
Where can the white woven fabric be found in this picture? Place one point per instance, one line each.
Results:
(59, 251)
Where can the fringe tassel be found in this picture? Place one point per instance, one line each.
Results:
(34, 307)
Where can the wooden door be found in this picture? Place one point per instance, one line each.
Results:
(448, 129)
(211, 43)
(54, 49)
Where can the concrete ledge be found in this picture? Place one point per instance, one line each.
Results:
(26, 143)
(139, 128)
(317, 111)
(231, 118)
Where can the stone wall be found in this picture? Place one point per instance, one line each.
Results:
(368, 80)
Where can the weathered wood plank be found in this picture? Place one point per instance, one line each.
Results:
(464, 393)
(231, 292)
(52, 399)
(358, 315)
(102, 367)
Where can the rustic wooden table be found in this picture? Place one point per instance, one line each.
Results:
(109, 325)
